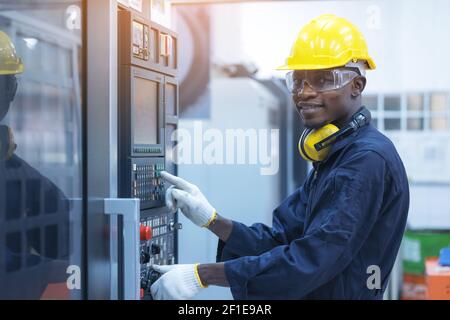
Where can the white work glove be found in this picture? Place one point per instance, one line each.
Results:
(188, 197)
(178, 282)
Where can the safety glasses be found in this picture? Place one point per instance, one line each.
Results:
(319, 80)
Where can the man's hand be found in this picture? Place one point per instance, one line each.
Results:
(188, 197)
(178, 282)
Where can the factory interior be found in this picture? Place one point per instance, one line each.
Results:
(147, 144)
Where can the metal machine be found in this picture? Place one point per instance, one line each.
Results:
(82, 211)
(93, 118)
(148, 114)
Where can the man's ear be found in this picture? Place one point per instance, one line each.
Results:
(359, 83)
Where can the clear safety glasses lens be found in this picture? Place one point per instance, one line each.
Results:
(319, 80)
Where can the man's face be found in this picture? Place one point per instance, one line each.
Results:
(320, 108)
(8, 88)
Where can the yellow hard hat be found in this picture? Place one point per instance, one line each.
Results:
(10, 63)
(328, 41)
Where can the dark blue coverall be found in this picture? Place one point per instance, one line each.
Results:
(349, 214)
(34, 231)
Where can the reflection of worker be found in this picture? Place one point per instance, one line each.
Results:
(338, 235)
(33, 211)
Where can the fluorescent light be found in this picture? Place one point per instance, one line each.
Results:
(31, 42)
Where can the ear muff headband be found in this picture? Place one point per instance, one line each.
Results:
(314, 144)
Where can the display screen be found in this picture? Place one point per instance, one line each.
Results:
(146, 111)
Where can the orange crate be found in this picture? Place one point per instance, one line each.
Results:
(414, 287)
(437, 280)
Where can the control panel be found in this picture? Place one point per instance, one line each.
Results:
(146, 181)
(147, 44)
(148, 115)
(157, 246)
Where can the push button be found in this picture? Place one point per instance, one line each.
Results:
(156, 249)
(146, 233)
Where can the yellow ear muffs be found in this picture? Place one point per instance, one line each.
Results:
(7, 145)
(310, 137)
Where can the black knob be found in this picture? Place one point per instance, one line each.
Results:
(145, 257)
(156, 249)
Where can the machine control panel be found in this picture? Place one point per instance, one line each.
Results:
(148, 108)
(146, 181)
(156, 247)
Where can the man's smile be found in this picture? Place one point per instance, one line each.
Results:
(309, 109)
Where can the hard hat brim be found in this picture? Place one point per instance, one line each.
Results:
(20, 69)
(370, 63)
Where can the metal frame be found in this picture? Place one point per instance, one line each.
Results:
(101, 137)
(129, 209)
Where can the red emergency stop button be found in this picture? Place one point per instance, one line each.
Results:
(146, 233)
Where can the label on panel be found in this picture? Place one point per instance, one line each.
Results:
(140, 41)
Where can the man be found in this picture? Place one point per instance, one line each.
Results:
(337, 236)
(34, 213)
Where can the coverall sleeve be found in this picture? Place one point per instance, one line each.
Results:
(344, 217)
(288, 219)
